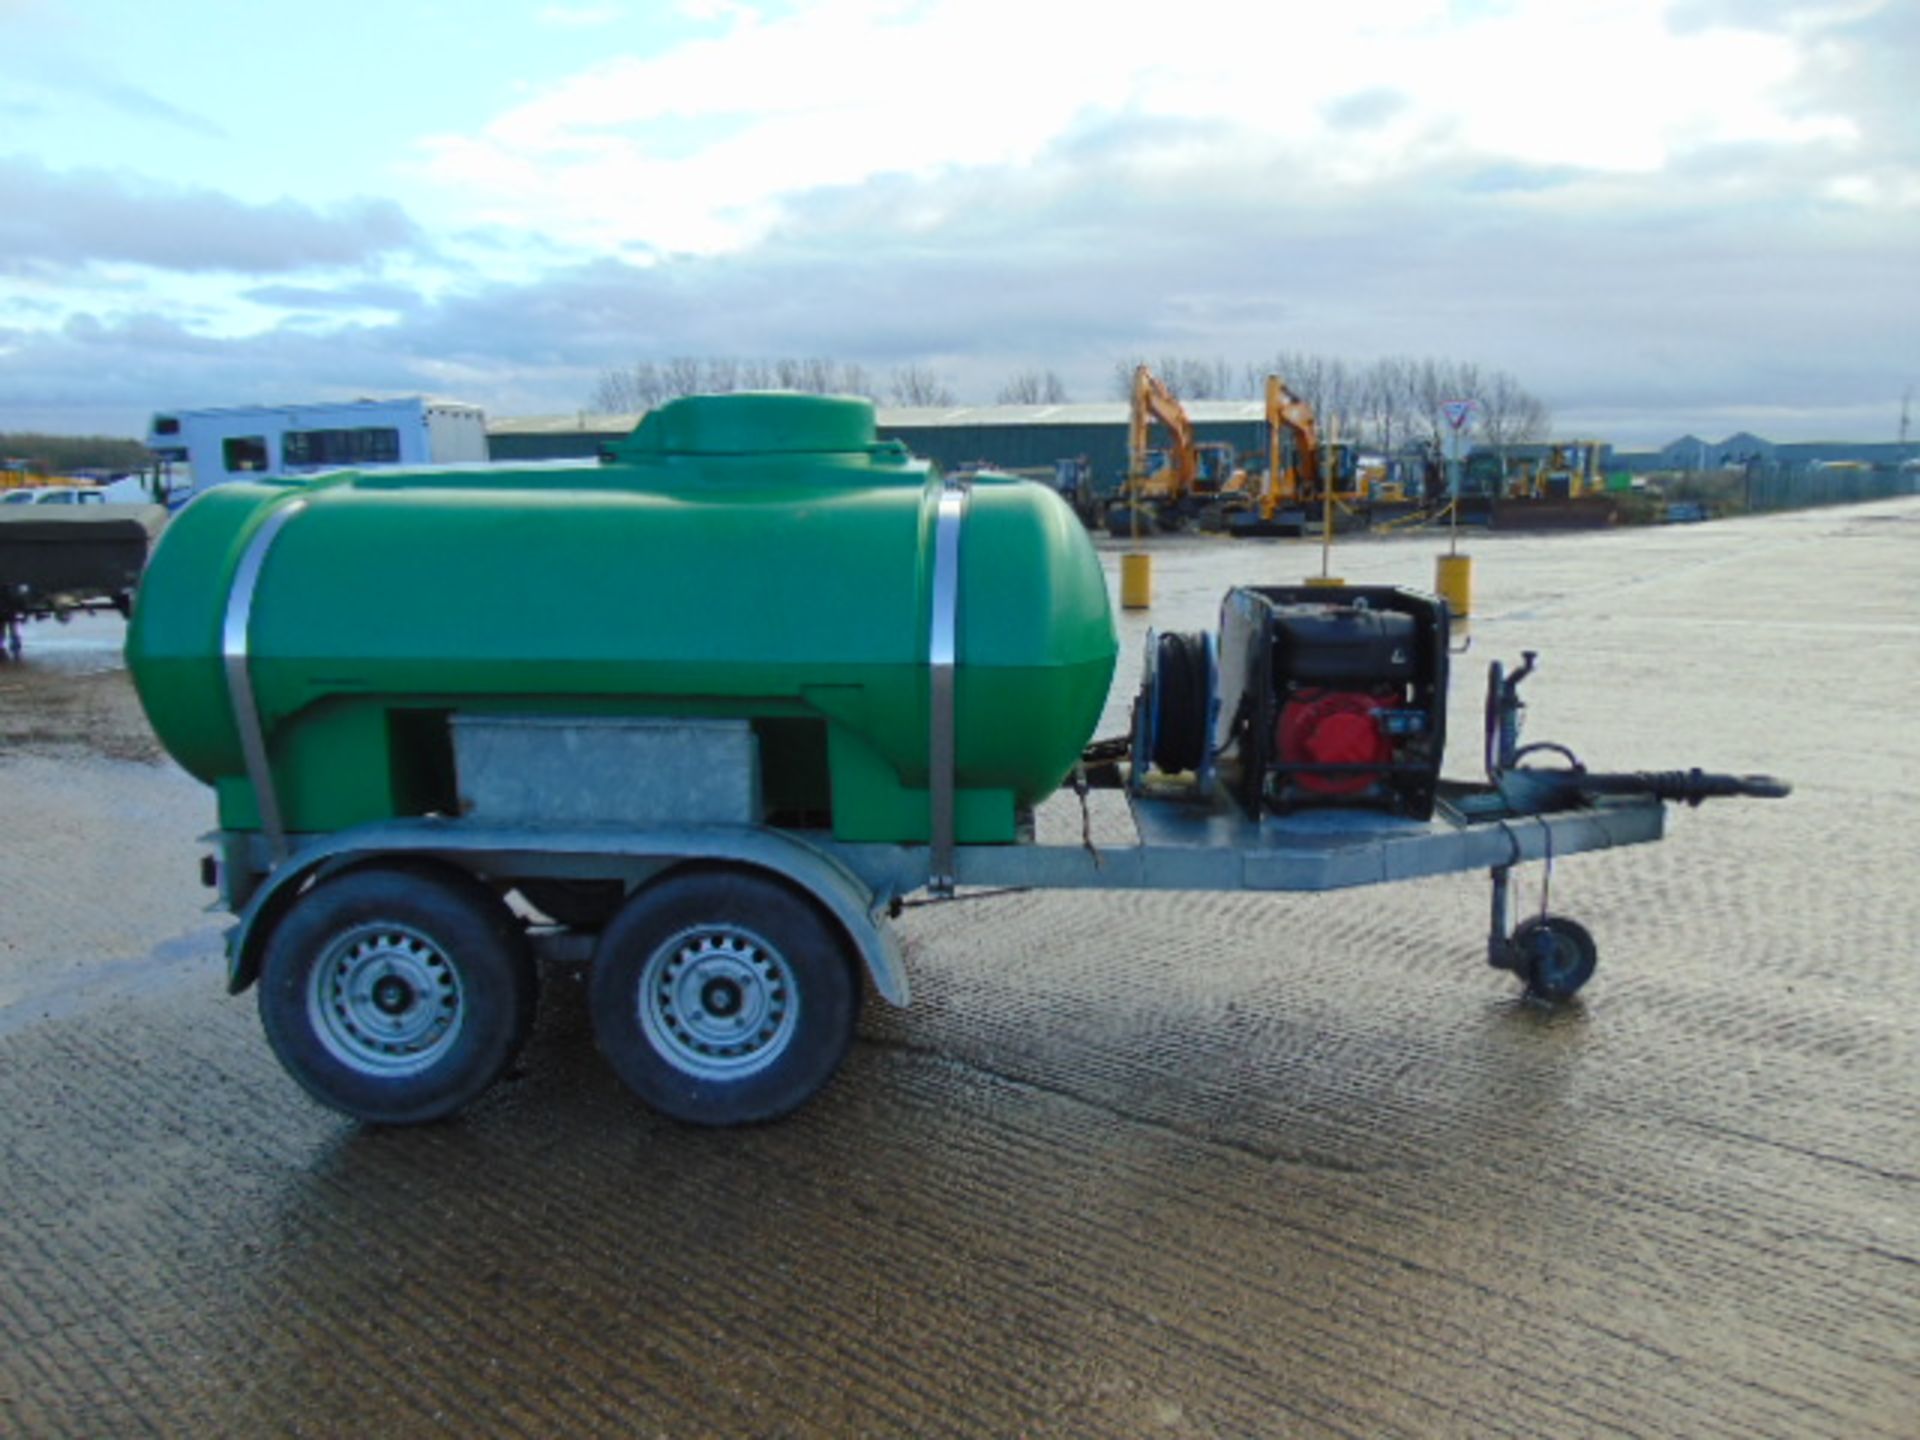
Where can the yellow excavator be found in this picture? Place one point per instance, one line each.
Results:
(1300, 469)
(1160, 483)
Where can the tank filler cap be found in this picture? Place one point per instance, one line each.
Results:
(754, 423)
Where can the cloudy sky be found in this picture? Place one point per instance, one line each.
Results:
(1661, 215)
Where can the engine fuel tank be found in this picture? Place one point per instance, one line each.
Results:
(745, 556)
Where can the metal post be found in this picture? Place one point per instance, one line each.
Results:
(1453, 490)
(1500, 926)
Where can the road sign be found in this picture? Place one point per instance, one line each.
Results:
(1456, 412)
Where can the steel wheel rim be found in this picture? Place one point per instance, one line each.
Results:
(386, 1000)
(718, 1002)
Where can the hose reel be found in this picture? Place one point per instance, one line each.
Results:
(1178, 702)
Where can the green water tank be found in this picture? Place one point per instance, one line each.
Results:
(757, 557)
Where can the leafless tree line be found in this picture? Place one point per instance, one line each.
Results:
(1386, 403)
(628, 389)
(646, 384)
(1033, 387)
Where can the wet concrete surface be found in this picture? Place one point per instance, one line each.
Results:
(1135, 1164)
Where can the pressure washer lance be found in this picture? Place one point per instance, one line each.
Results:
(1530, 790)
(1686, 786)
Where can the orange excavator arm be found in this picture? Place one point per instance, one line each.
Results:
(1289, 416)
(1152, 401)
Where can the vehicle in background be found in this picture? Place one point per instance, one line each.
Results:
(54, 495)
(67, 551)
(1159, 480)
(1074, 483)
(1562, 487)
(217, 445)
(1303, 473)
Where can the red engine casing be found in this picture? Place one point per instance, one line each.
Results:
(1335, 727)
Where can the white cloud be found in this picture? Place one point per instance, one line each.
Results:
(697, 149)
(1646, 212)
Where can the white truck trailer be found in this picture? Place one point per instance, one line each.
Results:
(204, 448)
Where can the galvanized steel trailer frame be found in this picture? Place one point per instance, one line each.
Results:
(1185, 844)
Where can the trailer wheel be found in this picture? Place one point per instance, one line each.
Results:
(721, 997)
(1554, 955)
(397, 995)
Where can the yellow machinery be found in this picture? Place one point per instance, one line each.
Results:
(1297, 480)
(1569, 470)
(1564, 488)
(1155, 495)
(1374, 478)
(1217, 470)
(1301, 468)
(1152, 401)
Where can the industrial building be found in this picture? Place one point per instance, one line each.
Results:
(1013, 437)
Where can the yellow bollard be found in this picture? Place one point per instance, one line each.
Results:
(1136, 581)
(1453, 578)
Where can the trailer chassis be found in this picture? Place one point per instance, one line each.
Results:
(396, 984)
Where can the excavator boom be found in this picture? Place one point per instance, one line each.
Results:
(1152, 401)
(1289, 479)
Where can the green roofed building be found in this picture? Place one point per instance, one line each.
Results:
(1024, 438)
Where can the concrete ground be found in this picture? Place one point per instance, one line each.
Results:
(1136, 1164)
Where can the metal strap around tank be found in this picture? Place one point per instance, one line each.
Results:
(246, 711)
(942, 656)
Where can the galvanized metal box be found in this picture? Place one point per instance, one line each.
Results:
(606, 770)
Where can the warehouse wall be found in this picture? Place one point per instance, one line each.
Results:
(565, 445)
(1022, 447)
(1012, 446)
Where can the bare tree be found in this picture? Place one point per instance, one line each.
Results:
(1033, 387)
(1510, 414)
(681, 376)
(626, 391)
(1434, 385)
(916, 385)
(644, 385)
(853, 381)
(1383, 402)
(1339, 408)
(1194, 379)
(1187, 377)
(612, 394)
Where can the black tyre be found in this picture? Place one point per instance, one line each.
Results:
(396, 995)
(722, 997)
(1554, 955)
